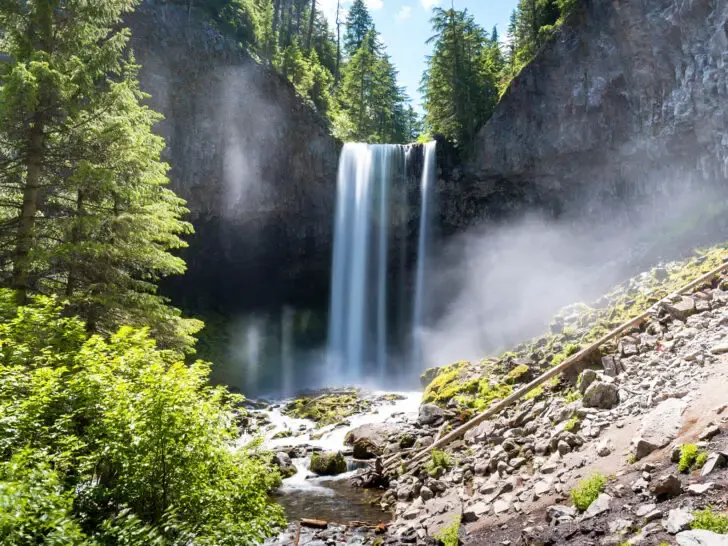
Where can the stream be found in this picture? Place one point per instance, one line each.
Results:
(305, 495)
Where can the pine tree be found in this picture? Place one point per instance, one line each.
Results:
(458, 86)
(359, 23)
(84, 207)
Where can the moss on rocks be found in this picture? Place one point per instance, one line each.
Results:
(327, 463)
(327, 409)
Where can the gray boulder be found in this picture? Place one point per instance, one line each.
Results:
(369, 441)
(284, 464)
(601, 395)
(430, 414)
(700, 537)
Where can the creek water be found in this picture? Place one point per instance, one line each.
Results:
(304, 495)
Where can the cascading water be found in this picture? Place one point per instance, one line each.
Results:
(372, 211)
(423, 248)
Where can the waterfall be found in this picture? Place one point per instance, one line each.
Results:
(368, 289)
(423, 249)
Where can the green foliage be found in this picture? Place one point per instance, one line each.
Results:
(459, 84)
(438, 459)
(588, 490)
(688, 455)
(691, 457)
(122, 437)
(533, 393)
(84, 211)
(710, 521)
(572, 396)
(450, 535)
(573, 424)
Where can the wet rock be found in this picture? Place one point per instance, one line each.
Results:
(700, 537)
(368, 440)
(678, 520)
(284, 464)
(666, 487)
(430, 414)
(327, 463)
(601, 395)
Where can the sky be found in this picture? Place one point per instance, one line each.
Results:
(404, 26)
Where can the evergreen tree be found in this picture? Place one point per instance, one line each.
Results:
(358, 24)
(84, 208)
(458, 86)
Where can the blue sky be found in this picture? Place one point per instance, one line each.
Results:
(404, 26)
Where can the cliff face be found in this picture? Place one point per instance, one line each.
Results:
(256, 165)
(628, 100)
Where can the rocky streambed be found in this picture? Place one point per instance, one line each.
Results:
(626, 417)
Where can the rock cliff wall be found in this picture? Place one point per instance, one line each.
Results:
(628, 100)
(256, 165)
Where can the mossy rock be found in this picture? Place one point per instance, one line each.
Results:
(327, 463)
(327, 409)
(429, 375)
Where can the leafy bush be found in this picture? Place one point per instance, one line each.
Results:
(138, 437)
(438, 459)
(691, 457)
(450, 535)
(573, 424)
(710, 521)
(587, 491)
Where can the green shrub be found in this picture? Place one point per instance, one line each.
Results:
(588, 490)
(572, 396)
(438, 459)
(450, 535)
(688, 456)
(710, 521)
(701, 459)
(138, 437)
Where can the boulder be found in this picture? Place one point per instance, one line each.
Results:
(600, 505)
(586, 378)
(699, 537)
(369, 441)
(678, 520)
(600, 395)
(430, 414)
(666, 487)
(682, 309)
(284, 464)
(327, 463)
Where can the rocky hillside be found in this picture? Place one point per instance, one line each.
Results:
(628, 100)
(256, 165)
(633, 451)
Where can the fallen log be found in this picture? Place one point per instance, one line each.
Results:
(412, 463)
(314, 523)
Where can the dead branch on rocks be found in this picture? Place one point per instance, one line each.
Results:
(412, 463)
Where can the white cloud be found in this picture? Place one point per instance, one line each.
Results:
(374, 4)
(404, 13)
(429, 4)
(328, 7)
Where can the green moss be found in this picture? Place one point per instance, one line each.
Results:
(517, 373)
(588, 490)
(450, 535)
(534, 393)
(283, 434)
(327, 464)
(446, 384)
(573, 424)
(572, 396)
(710, 521)
(327, 409)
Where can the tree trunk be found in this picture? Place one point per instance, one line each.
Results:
(31, 193)
(311, 22)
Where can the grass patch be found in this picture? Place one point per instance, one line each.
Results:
(449, 536)
(710, 521)
(534, 393)
(587, 491)
(572, 396)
